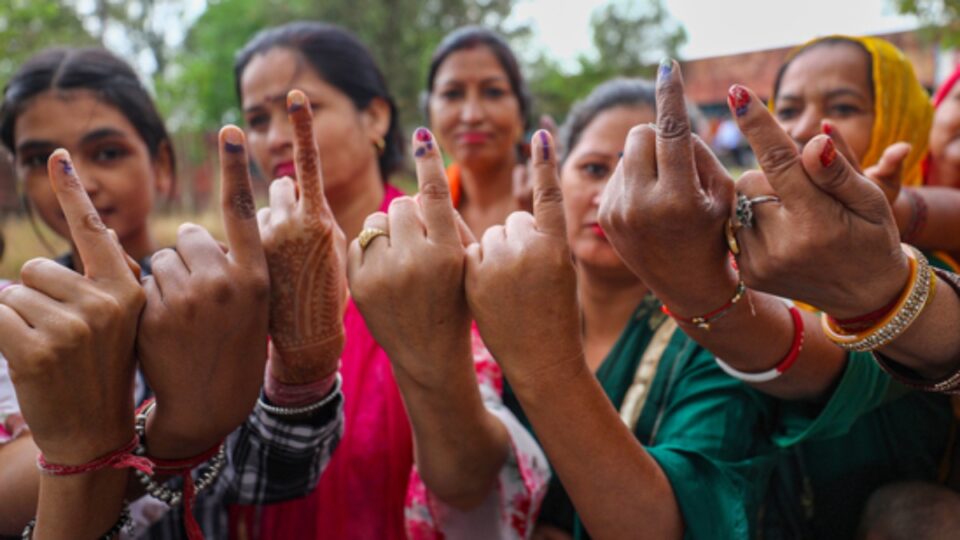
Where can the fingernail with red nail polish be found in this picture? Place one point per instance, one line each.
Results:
(828, 154)
(739, 100)
(827, 128)
(423, 136)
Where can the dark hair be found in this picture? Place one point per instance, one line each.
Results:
(836, 40)
(341, 60)
(468, 37)
(97, 70)
(610, 94)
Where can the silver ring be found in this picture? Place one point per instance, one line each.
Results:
(744, 211)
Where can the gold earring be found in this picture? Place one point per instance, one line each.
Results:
(381, 145)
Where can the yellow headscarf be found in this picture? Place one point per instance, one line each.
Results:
(902, 109)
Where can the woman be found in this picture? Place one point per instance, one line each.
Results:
(478, 105)
(942, 165)
(92, 103)
(836, 400)
(363, 492)
(866, 89)
(705, 437)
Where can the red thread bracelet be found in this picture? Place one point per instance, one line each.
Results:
(791, 358)
(120, 458)
(704, 321)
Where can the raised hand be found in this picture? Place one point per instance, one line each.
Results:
(666, 205)
(69, 339)
(523, 172)
(203, 334)
(306, 254)
(409, 283)
(521, 284)
(832, 225)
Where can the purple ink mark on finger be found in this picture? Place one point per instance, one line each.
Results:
(294, 107)
(67, 166)
(666, 67)
(545, 143)
(420, 152)
(422, 135)
(232, 148)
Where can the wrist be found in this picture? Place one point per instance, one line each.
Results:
(902, 212)
(79, 451)
(166, 438)
(305, 365)
(704, 297)
(887, 286)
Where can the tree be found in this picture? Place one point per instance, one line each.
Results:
(27, 26)
(940, 18)
(630, 38)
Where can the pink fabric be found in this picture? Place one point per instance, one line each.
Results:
(510, 510)
(295, 395)
(362, 490)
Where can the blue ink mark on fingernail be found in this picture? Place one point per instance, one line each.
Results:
(67, 166)
(545, 142)
(420, 152)
(666, 67)
(232, 148)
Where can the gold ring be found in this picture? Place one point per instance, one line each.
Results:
(731, 233)
(368, 234)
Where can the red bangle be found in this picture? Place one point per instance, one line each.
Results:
(704, 321)
(856, 324)
(120, 458)
(791, 358)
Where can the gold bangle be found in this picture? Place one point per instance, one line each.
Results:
(921, 286)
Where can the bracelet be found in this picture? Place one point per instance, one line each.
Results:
(918, 215)
(120, 458)
(921, 287)
(783, 365)
(179, 467)
(704, 321)
(864, 322)
(949, 384)
(297, 411)
(122, 523)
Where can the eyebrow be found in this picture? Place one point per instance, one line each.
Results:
(277, 98)
(839, 92)
(92, 137)
(459, 82)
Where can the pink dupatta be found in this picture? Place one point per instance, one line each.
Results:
(362, 490)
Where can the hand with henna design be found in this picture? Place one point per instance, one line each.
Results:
(203, 334)
(306, 254)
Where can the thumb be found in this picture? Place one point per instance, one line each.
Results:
(547, 197)
(834, 175)
(887, 173)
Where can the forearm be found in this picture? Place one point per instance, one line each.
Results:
(930, 346)
(599, 461)
(80, 506)
(459, 446)
(21, 482)
(757, 334)
(933, 221)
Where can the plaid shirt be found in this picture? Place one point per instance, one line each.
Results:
(269, 459)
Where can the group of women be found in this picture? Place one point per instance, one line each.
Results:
(639, 347)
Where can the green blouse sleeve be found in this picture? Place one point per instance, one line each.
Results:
(713, 443)
(862, 388)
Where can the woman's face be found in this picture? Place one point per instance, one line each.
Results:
(473, 110)
(112, 161)
(585, 173)
(345, 136)
(828, 82)
(945, 140)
